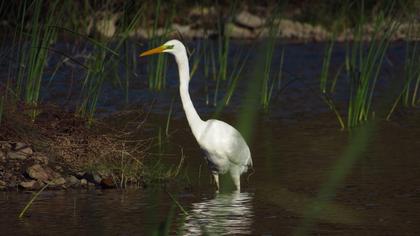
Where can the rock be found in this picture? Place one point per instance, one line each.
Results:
(92, 178)
(40, 158)
(72, 181)
(31, 185)
(141, 33)
(184, 30)
(58, 181)
(235, 31)
(97, 179)
(2, 156)
(37, 172)
(23, 148)
(107, 25)
(83, 182)
(51, 173)
(6, 146)
(80, 174)
(201, 12)
(3, 184)
(248, 20)
(107, 183)
(188, 32)
(12, 184)
(16, 156)
(59, 168)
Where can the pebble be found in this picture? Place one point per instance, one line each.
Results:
(16, 156)
(23, 148)
(107, 183)
(40, 159)
(83, 182)
(72, 181)
(246, 19)
(58, 181)
(2, 184)
(37, 172)
(32, 184)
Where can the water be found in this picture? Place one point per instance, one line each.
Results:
(296, 149)
(381, 195)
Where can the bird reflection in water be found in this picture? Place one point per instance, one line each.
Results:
(226, 214)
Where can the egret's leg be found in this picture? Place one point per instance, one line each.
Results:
(236, 177)
(216, 180)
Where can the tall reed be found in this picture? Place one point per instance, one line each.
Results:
(236, 73)
(408, 97)
(156, 66)
(126, 27)
(326, 92)
(323, 77)
(364, 65)
(412, 71)
(34, 55)
(92, 83)
(268, 80)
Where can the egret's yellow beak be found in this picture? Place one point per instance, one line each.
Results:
(154, 51)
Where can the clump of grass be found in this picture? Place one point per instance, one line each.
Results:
(156, 67)
(235, 75)
(326, 92)
(323, 77)
(408, 97)
(35, 54)
(269, 81)
(92, 84)
(412, 75)
(364, 67)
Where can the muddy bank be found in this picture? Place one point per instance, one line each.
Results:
(65, 151)
(23, 168)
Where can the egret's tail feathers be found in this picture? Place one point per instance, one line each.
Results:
(250, 164)
(251, 173)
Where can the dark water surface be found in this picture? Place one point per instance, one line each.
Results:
(296, 149)
(380, 196)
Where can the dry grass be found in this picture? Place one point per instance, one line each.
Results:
(67, 140)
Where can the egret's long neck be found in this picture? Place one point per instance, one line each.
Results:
(193, 118)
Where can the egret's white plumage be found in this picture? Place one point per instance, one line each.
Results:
(226, 150)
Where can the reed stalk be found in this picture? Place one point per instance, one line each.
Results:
(34, 53)
(364, 67)
(29, 204)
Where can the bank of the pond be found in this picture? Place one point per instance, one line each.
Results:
(65, 151)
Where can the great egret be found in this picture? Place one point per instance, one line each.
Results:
(226, 149)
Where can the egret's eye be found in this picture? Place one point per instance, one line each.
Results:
(169, 46)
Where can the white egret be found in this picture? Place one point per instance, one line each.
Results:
(226, 149)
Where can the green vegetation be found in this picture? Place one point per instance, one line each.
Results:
(35, 54)
(363, 68)
(29, 204)
(114, 62)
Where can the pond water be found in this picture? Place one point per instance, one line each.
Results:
(380, 195)
(309, 177)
